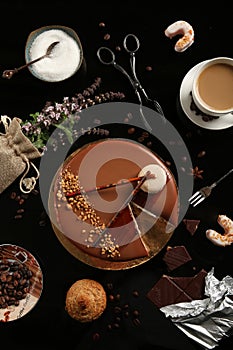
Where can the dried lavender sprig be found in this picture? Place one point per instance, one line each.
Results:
(76, 133)
(39, 128)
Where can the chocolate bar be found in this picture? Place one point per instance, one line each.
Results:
(172, 290)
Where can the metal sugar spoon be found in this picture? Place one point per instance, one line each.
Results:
(10, 72)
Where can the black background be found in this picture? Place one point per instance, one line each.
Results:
(48, 326)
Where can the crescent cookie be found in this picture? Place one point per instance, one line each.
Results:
(224, 239)
(86, 300)
(181, 28)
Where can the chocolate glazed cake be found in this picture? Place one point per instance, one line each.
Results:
(94, 222)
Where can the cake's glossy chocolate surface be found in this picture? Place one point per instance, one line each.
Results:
(105, 162)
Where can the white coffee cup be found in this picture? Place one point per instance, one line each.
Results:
(212, 88)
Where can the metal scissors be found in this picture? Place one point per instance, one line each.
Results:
(139, 90)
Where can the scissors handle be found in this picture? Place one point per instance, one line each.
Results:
(106, 56)
(103, 51)
(126, 43)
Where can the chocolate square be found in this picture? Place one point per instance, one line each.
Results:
(191, 225)
(176, 256)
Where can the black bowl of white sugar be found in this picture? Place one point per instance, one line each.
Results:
(65, 58)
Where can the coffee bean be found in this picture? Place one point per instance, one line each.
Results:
(201, 154)
(96, 336)
(135, 293)
(111, 297)
(13, 195)
(110, 286)
(107, 36)
(145, 134)
(136, 313)
(17, 217)
(14, 282)
(117, 296)
(131, 131)
(117, 309)
(109, 327)
(141, 139)
(136, 322)
(34, 191)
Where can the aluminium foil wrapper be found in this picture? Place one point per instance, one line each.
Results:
(208, 320)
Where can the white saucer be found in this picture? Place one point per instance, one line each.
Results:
(220, 123)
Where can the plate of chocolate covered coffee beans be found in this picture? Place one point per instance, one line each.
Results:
(21, 282)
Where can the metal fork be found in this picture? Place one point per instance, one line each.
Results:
(204, 192)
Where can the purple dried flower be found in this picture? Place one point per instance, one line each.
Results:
(54, 113)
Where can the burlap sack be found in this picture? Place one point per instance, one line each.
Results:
(16, 153)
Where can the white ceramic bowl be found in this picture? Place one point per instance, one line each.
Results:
(65, 59)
